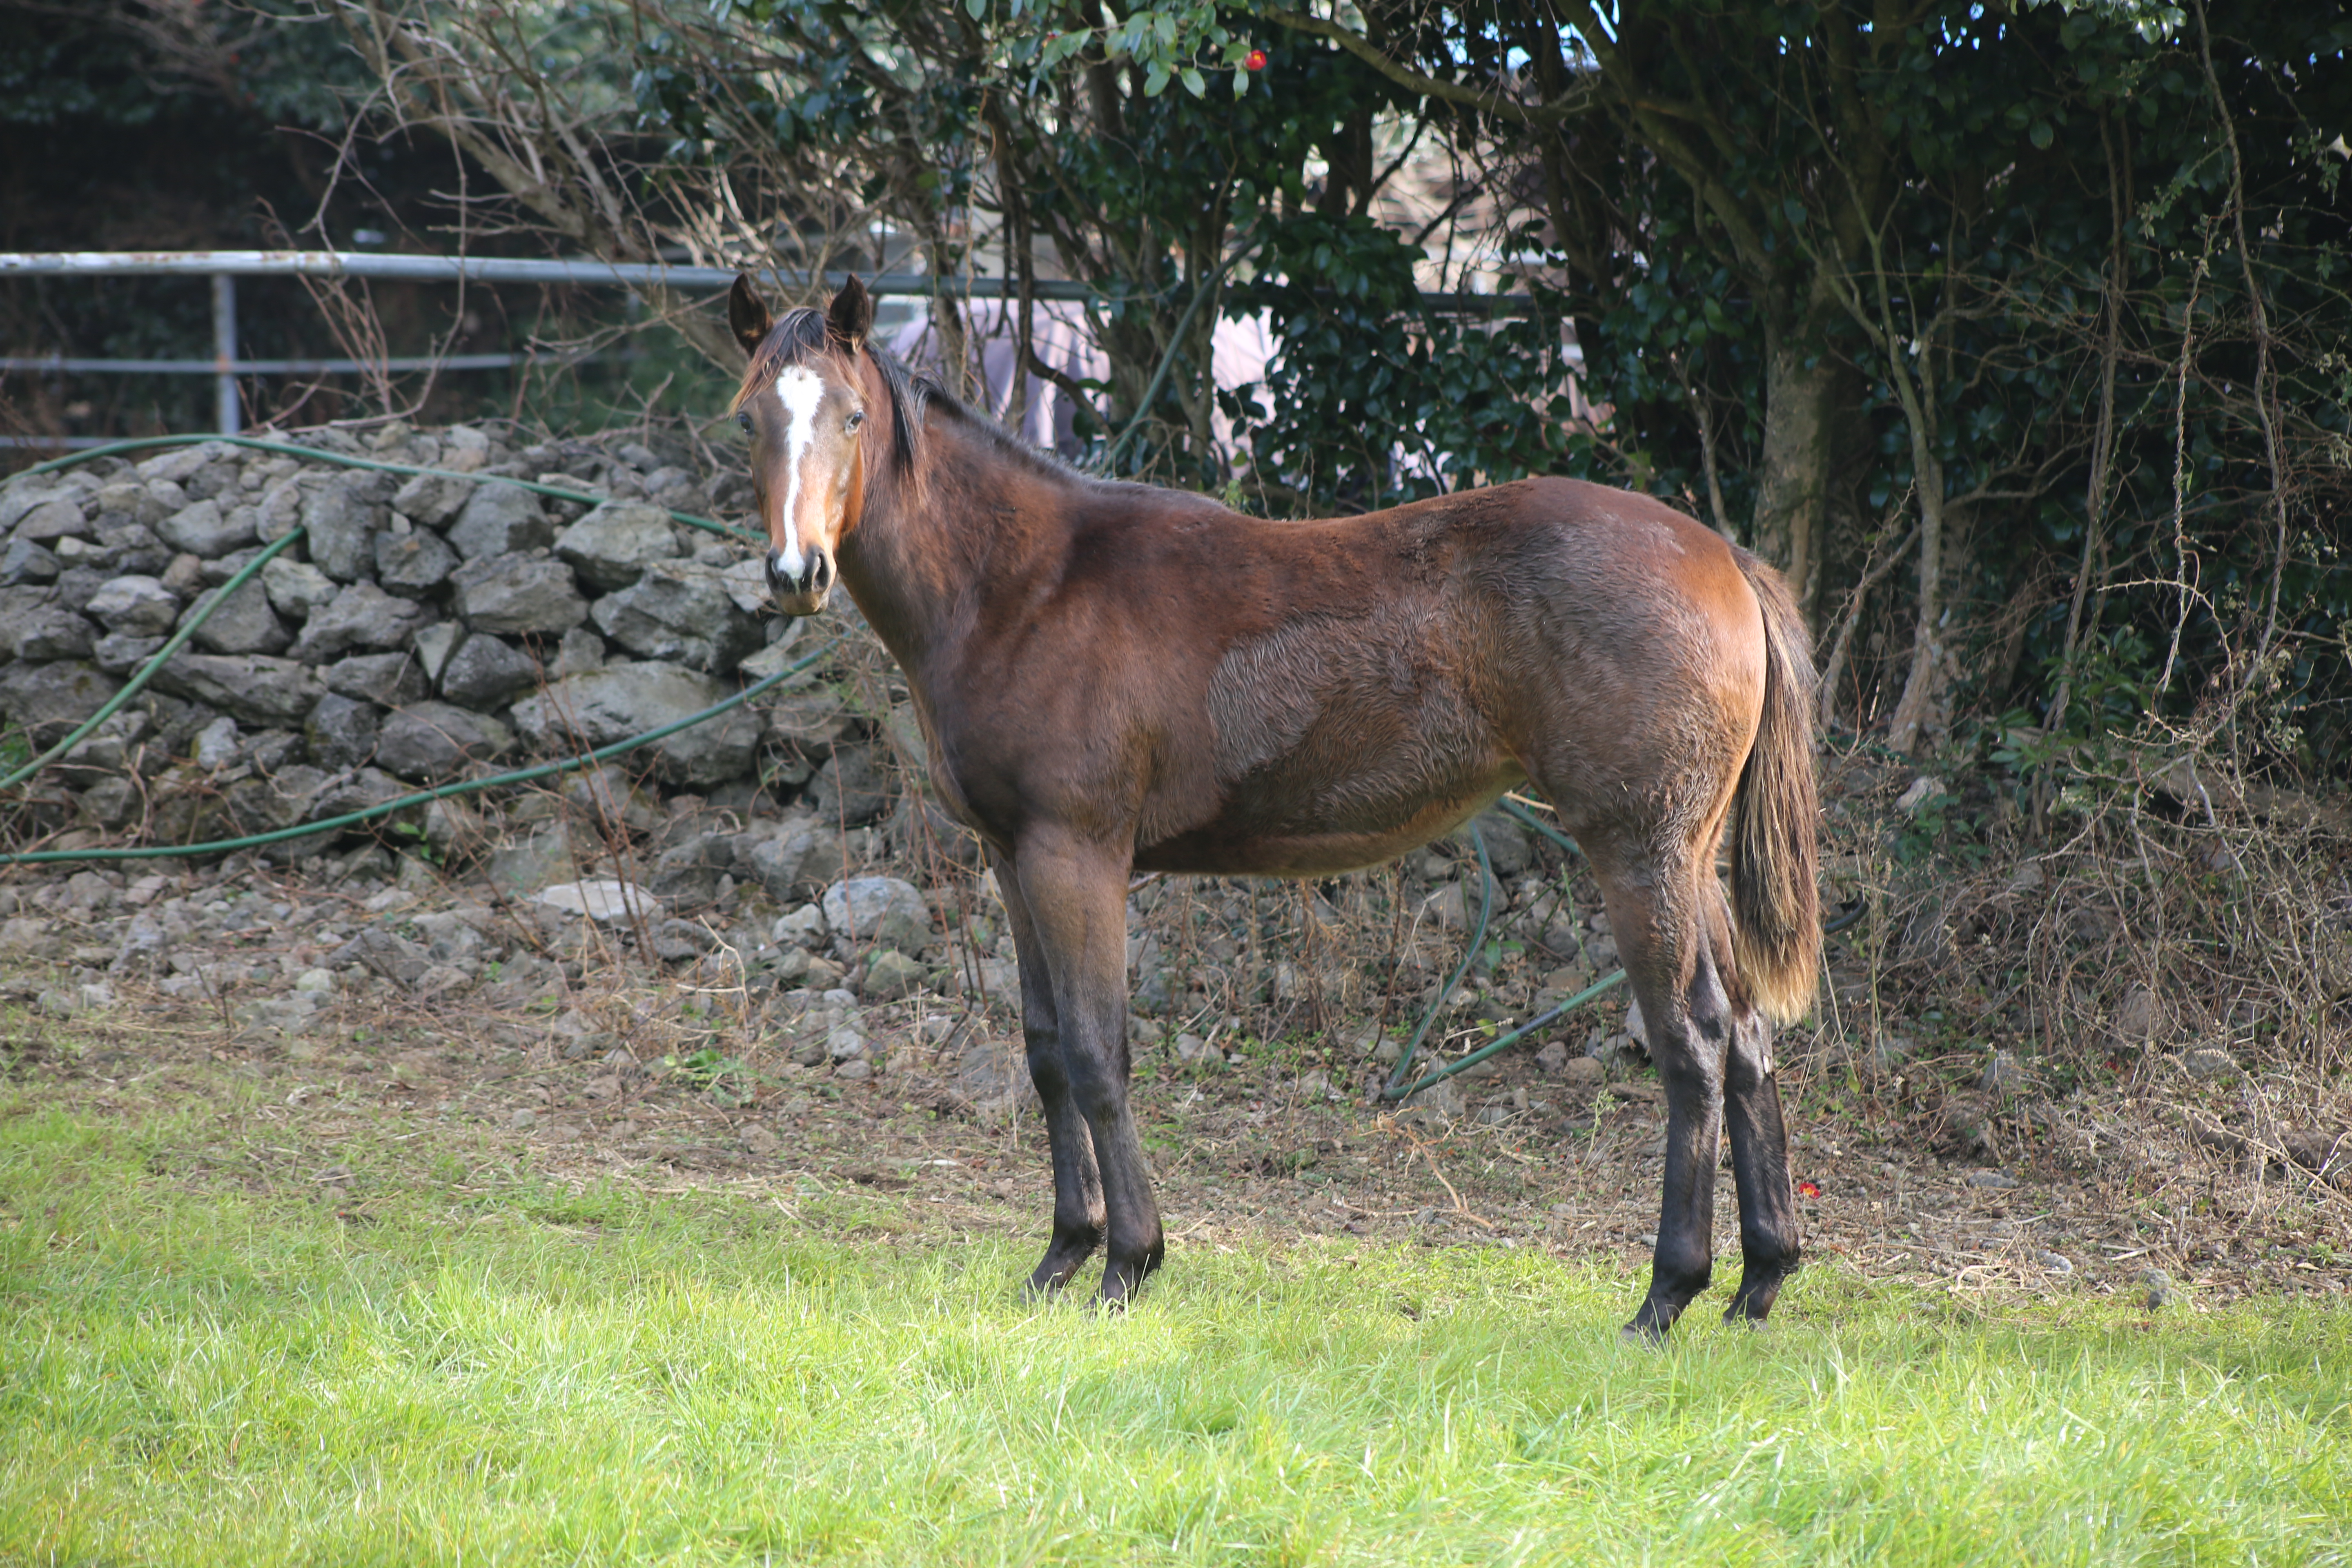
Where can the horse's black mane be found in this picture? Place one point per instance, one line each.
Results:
(800, 333)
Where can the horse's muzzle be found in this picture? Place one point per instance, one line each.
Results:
(806, 593)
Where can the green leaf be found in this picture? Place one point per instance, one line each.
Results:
(1194, 84)
(975, 7)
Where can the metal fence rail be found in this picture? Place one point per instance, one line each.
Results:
(224, 267)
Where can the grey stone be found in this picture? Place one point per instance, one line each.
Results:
(205, 529)
(802, 928)
(527, 864)
(282, 503)
(602, 706)
(581, 649)
(500, 520)
(178, 465)
(241, 623)
(133, 548)
(413, 563)
(47, 632)
(397, 959)
(514, 595)
(363, 787)
(680, 611)
(1993, 1181)
(254, 687)
(296, 588)
(387, 679)
(879, 911)
(341, 732)
(687, 872)
(487, 673)
(76, 586)
(2003, 1074)
(59, 517)
(2155, 1292)
(890, 975)
(747, 583)
(214, 570)
(20, 498)
(140, 605)
(48, 699)
(995, 1075)
(111, 802)
(1510, 848)
(797, 866)
(432, 498)
(26, 561)
(612, 546)
(433, 645)
(431, 741)
(362, 615)
(118, 653)
(850, 788)
(344, 515)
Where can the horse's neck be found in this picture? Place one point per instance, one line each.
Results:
(929, 545)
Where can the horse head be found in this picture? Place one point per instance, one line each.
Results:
(802, 406)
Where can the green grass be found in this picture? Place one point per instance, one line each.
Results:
(191, 1373)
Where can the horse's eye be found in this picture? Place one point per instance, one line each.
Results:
(856, 419)
(745, 421)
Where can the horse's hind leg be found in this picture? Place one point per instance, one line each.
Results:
(1769, 1246)
(1078, 1216)
(1686, 1016)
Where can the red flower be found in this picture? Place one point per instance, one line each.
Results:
(1809, 1189)
(1256, 60)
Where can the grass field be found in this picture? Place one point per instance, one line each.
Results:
(483, 1366)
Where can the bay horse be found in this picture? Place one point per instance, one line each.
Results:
(1113, 677)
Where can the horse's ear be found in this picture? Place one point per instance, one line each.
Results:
(850, 315)
(747, 314)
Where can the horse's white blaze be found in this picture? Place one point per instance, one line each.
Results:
(799, 390)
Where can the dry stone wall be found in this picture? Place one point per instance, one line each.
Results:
(426, 628)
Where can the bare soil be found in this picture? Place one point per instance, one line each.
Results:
(651, 1075)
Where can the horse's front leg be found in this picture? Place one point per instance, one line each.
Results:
(1076, 893)
(1077, 1182)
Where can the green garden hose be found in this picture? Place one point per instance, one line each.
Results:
(155, 661)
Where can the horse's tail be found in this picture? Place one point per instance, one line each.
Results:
(1775, 851)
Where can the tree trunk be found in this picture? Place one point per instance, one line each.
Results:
(1800, 397)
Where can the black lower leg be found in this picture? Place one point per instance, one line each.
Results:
(1769, 1243)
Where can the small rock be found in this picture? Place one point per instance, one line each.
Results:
(2002, 1074)
(760, 1141)
(518, 594)
(2055, 1262)
(206, 530)
(2209, 1062)
(140, 606)
(1995, 1180)
(1191, 1049)
(428, 741)
(498, 519)
(362, 615)
(413, 565)
(844, 1041)
(485, 672)
(1924, 788)
(318, 980)
(1553, 1059)
(891, 975)
(2156, 1289)
(523, 1119)
(880, 911)
(1582, 1072)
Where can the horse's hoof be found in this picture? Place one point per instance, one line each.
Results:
(1637, 1332)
